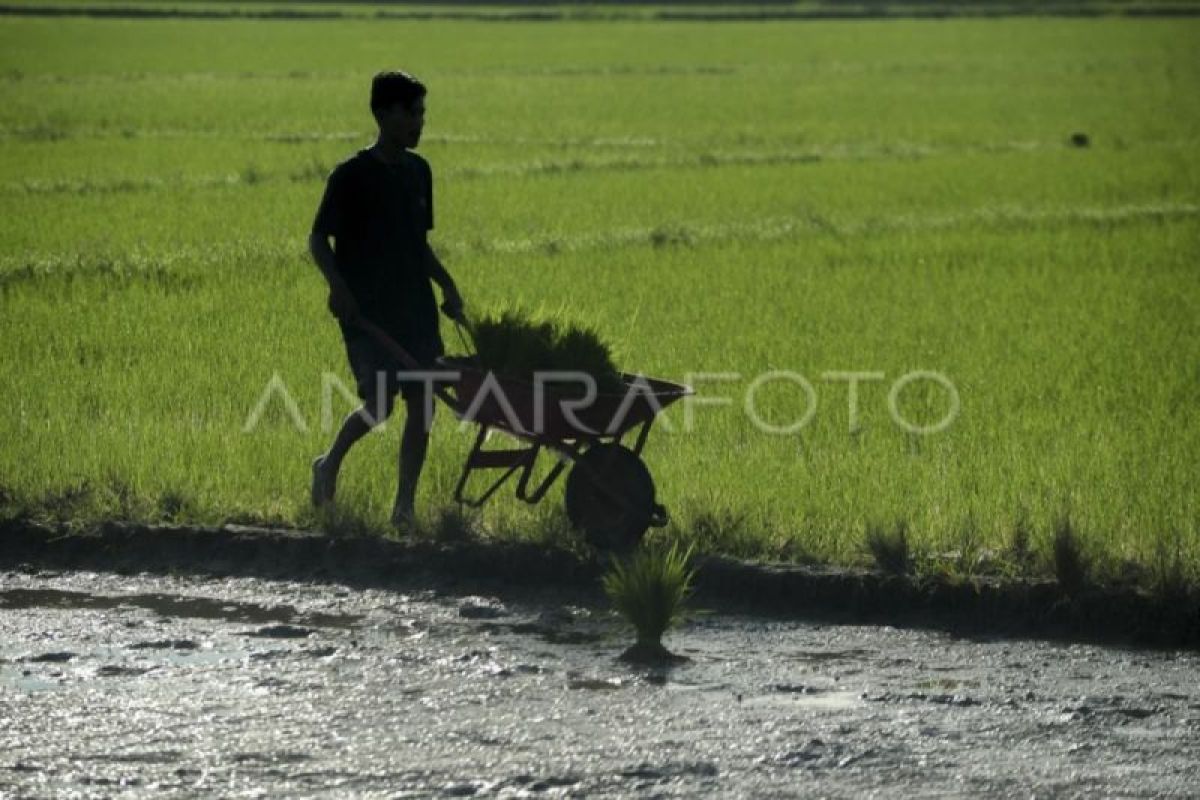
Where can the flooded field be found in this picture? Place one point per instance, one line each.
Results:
(156, 687)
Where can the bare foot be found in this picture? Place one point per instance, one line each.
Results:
(323, 484)
(403, 516)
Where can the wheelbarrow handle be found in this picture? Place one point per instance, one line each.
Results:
(388, 343)
(463, 325)
(403, 356)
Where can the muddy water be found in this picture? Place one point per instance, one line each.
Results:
(158, 687)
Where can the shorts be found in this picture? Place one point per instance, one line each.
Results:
(378, 373)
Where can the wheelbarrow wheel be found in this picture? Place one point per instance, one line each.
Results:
(610, 497)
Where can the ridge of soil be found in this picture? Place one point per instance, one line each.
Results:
(977, 607)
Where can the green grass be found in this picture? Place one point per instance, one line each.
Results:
(817, 198)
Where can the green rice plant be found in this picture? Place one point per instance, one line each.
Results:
(650, 589)
(514, 344)
(889, 548)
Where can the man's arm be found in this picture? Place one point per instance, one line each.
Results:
(341, 302)
(452, 302)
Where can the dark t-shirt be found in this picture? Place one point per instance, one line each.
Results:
(378, 215)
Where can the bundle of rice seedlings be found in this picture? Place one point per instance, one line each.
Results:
(514, 345)
(649, 590)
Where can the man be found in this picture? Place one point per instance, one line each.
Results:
(378, 208)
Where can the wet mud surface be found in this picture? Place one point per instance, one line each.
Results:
(1099, 614)
(145, 686)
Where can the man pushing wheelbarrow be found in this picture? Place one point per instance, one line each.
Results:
(378, 209)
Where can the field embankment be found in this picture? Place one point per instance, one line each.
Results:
(988, 606)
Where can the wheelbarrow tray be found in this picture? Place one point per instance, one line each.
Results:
(513, 404)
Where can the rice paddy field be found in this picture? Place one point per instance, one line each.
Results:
(995, 223)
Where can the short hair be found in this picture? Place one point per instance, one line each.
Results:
(390, 88)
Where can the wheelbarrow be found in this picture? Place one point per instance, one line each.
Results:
(609, 495)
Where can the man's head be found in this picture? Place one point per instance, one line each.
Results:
(398, 104)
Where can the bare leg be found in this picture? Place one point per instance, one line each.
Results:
(413, 445)
(325, 469)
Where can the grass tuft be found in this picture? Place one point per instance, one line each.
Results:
(1170, 579)
(75, 500)
(553, 529)
(724, 531)
(451, 523)
(1020, 545)
(972, 557)
(889, 548)
(176, 506)
(344, 522)
(649, 589)
(672, 236)
(252, 175)
(120, 499)
(314, 170)
(1071, 565)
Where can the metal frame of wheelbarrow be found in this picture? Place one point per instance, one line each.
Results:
(569, 448)
(568, 452)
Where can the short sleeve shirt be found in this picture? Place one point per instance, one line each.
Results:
(378, 216)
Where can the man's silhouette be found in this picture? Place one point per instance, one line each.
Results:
(377, 209)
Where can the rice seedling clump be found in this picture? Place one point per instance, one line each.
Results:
(650, 590)
(514, 345)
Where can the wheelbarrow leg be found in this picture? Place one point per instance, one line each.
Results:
(510, 461)
(567, 454)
